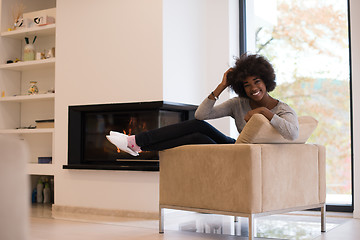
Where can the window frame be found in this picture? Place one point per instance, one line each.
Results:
(243, 49)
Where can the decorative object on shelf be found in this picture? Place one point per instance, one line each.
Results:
(47, 160)
(43, 191)
(50, 53)
(40, 55)
(33, 89)
(41, 18)
(29, 50)
(28, 127)
(52, 189)
(19, 23)
(44, 20)
(49, 123)
(45, 54)
(51, 90)
(46, 193)
(2, 93)
(9, 61)
(39, 189)
(33, 195)
(17, 11)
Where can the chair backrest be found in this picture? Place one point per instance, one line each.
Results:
(259, 130)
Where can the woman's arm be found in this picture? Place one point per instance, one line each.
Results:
(284, 120)
(207, 110)
(221, 87)
(261, 110)
(286, 123)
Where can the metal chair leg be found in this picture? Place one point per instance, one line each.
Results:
(323, 218)
(161, 220)
(251, 226)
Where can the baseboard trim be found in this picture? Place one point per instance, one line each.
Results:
(59, 211)
(356, 214)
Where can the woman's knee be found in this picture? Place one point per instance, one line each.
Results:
(199, 138)
(199, 123)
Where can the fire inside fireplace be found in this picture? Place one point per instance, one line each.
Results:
(88, 126)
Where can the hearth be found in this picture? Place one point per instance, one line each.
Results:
(88, 147)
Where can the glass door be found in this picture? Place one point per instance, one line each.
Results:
(307, 41)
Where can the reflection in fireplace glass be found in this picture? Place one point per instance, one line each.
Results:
(98, 124)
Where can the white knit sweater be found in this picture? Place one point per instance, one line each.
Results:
(285, 119)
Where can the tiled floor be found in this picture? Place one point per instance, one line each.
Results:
(188, 225)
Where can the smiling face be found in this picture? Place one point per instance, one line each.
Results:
(255, 88)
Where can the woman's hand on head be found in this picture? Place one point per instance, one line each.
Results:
(221, 87)
(224, 81)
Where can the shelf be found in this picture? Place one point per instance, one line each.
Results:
(41, 169)
(23, 98)
(27, 131)
(29, 65)
(20, 109)
(40, 31)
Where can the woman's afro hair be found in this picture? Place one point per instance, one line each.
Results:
(251, 65)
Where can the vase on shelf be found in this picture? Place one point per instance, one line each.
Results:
(33, 89)
(29, 52)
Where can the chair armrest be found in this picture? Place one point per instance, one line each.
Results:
(322, 172)
(290, 176)
(218, 177)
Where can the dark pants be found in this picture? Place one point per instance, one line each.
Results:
(183, 133)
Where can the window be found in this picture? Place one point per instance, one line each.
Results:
(307, 42)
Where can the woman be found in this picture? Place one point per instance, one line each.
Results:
(252, 79)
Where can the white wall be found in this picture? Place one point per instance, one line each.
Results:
(107, 51)
(198, 49)
(184, 53)
(355, 55)
(126, 51)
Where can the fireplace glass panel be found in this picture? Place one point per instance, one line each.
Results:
(88, 147)
(98, 124)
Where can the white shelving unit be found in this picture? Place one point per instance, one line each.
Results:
(41, 169)
(24, 98)
(19, 110)
(29, 65)
(27, 131)
(48, 30)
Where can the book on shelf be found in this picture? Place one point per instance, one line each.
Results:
(48, 123)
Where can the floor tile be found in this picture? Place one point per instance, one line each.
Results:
(184, 225)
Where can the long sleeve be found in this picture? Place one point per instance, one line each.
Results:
(284, 120)
(286, 123)
(235, 107)
(207, 110)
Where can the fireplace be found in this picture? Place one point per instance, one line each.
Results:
(88, 147)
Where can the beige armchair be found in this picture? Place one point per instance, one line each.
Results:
(262, 174)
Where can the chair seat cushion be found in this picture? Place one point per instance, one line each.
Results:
(259, 130)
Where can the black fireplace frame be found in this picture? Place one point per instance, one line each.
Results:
(76, 133)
